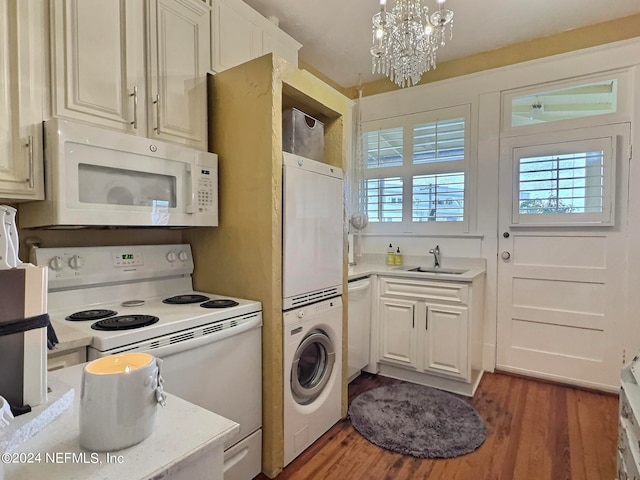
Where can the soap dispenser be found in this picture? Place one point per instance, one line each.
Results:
(391, 260)
(398, 257)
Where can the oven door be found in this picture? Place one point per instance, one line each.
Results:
(221, 372)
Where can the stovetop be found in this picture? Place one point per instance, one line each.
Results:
(172, 318)
(131, 280)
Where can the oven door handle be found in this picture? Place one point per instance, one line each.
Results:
(172, 344)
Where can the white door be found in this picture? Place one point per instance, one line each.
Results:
(445, 349)
(179, 45)
(236, 37)
(98, 62)
(22, 85)
(398, 335)
(561, 258)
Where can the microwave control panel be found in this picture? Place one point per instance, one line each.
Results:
(206, 189)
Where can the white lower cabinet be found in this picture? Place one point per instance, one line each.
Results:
(629, 423)
(398, 335)
(444, 346)
(425, 337)
(430, 333)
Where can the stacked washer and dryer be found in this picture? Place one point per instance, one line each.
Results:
(312, 287)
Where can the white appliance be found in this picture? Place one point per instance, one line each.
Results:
(210, 347)
(359, 327)
(96, 176)
(313, 228)
(311, 288)
(312, 374)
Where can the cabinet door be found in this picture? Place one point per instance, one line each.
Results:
(445, 346)
(98, 62)
(397, 331)
(22, 83)
(179, 43)
(236, 37)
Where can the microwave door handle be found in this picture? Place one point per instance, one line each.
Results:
(193, 187)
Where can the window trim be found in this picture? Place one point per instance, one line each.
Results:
(408, 170)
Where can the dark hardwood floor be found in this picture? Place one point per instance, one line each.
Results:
(535, 431)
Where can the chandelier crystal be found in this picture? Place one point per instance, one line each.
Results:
(406, 39)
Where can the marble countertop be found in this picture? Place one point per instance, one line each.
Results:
(375, 265)
(183, 432)
(69, 338)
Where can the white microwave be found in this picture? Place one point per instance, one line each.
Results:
(99, 177)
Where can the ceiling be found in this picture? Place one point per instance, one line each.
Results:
(336, 34)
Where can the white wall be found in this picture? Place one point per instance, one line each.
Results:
(483, 92)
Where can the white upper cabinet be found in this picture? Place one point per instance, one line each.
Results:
(240, 34)
(179, 43)
(98, 60)
(101, 51)
(22, 87)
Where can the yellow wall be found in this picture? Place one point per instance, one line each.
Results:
(243, 255)
(571, 40)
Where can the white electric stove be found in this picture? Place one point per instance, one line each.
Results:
(140, 298)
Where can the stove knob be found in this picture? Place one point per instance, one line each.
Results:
(301, 314)
(171, 256)
(183, 256)
(76, 262)
(56, 264)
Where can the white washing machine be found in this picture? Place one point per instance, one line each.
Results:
(312, 373)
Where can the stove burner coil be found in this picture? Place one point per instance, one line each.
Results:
(182, 299)
(125, 322)
(219, 303)
(91, 315)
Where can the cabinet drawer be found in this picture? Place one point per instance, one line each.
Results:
(628, 416)
(449, 292)
(66, 359)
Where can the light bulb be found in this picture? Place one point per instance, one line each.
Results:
(428, 29)
(379, 33)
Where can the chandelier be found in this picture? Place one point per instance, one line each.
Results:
(405, 40)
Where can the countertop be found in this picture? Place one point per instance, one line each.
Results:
(375, 265)
(183, 433)
(69, 338)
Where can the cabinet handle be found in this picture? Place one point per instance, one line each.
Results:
(135, 107)
(413, 317)
(29, 145)
(426, 319)
(157, 103)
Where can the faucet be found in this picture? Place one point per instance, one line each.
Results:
(436, 256)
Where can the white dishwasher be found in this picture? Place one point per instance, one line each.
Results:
(359, 326)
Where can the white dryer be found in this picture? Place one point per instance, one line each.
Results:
(312, 373)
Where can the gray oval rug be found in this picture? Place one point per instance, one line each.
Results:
(417, 420)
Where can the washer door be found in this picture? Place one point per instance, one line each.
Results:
(312, 366)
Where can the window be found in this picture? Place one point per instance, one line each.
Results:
(415, 170)
(577, 102)
(566, 183)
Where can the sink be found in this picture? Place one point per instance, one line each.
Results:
(448, 271)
